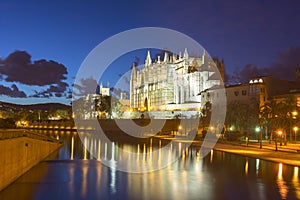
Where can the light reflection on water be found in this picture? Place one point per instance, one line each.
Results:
(75, 174)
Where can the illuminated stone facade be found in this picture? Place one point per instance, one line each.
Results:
(173, 83)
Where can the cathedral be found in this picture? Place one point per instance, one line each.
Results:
(174, 82)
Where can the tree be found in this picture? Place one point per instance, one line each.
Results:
(243, 116)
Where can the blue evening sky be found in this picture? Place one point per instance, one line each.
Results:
(242, 32)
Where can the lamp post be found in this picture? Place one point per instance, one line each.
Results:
(293, 116)
(258, 130)
(275, 141)
(295, 129)
(280, 134)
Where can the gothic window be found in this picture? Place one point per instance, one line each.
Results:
(236, 93)
(244, 92)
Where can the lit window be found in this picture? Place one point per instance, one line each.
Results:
(260, 80)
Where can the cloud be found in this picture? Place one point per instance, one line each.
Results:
(284, 67)
(12, 91)
(86, 86)
(18, 67)
(53, 90)
(286, 63)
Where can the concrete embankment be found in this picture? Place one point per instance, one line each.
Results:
(285, 156)
(289, 154)
(21, 150)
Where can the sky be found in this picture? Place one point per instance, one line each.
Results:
(43, 43)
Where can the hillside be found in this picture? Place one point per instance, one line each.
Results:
(46, 106)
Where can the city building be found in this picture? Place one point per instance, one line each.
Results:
(93, 100)
(174, 83)
(258, 89)
(104, 91)
(124, 101)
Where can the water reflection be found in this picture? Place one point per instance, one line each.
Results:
(217, 176)
(99, 149)
(295, 182)
(246, 167)
(72, 149)
(257, 165)
(85, 169)
(283, 190)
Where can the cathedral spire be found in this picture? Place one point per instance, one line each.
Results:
(148, 60)
(166, 57)
(133, 71)
(185, 54)
(204, 53)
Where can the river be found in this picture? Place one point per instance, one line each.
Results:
(73, 173)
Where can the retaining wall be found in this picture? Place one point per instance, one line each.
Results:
(18, 155)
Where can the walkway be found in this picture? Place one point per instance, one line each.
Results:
(289, 154)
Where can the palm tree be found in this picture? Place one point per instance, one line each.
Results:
(273, 115)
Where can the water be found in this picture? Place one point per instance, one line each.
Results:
(72, 173)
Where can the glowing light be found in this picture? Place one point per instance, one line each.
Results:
(179, 147)
(257, 165)
(105, 151)
(84, 155)
(198, 155)
(295, 128)
(296, 169)
(280, 171)
(295, 181)
(99, 149)
(211, 155)
(144, 152)
(283, 189)
(246, 167)
(138, 152)
(257, 129)
(72, 148)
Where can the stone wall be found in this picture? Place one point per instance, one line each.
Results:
(18, 155)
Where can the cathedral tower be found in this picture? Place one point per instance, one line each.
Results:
(132, 86)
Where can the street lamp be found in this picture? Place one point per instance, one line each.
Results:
(280, 134)
(295, 113)
(258, 130)
(179, 129)
(295, 129)
(293, 116)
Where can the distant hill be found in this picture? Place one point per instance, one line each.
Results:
(45, 106)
